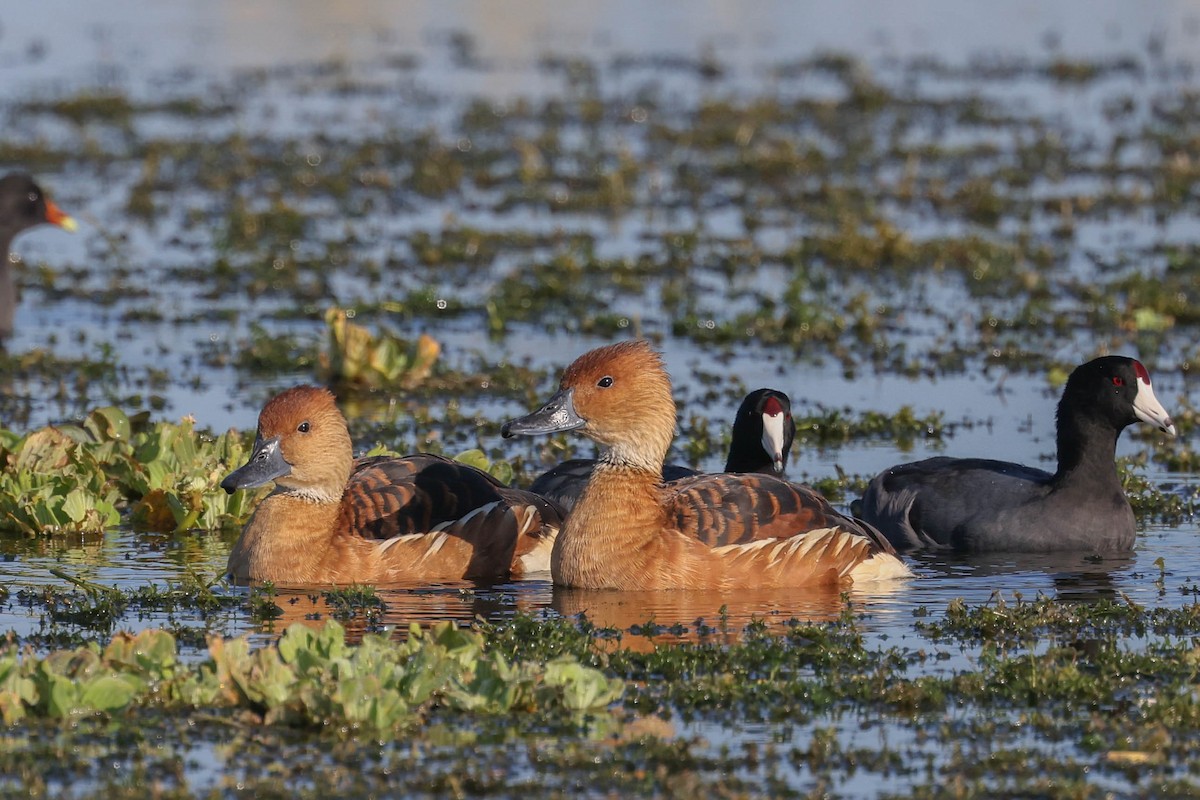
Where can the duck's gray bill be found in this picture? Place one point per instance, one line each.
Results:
(557, 415)
(266, 464)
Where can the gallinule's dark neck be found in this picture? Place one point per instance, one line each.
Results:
(746, 453)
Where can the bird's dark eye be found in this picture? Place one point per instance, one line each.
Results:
(1118, 380)
(304, 427)
(605, 382)
(33, 197)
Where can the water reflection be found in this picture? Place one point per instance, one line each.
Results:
(400, 607)
(118, 558)
(638, 620)
(644, 619)
(1080, 577)
(126, 560)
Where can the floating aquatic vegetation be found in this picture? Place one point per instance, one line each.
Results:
(311, 678)
(357, 357)
(835, 426)
(77, 478)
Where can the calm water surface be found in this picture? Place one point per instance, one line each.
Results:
(414, 66)
(473, 50)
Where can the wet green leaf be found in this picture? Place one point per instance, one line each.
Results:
(108, 693)
(109, 423)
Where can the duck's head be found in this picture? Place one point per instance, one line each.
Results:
(23, 204)
(619, 396)
(1117, 390)
(302, 445)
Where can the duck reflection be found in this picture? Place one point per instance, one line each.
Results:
(395, 609)
(635, 620)
(1075, 576)
(641, 620)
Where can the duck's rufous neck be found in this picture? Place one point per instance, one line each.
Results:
(643, 436)
(612, 536)
(286, 541)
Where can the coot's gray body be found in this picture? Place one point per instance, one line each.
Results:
(975, 505)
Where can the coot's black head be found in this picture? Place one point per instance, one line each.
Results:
(763, 431)
(23, 205)
(1113, 391)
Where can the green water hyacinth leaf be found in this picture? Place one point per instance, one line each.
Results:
(496, 687)
(500, 470)
(151, 653)
(108, 693)
(46, 451)
(366, 700)
(88, 512)
(257, 679)
(583, 688)
(459, 644)
(474, 458)
(17, 690)
(108, 424)
(306, 649)
(74, 682)
(428, 670)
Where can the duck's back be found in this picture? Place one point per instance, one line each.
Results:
(980, 505)
(725, 509)
(389, 496)
(565, 482)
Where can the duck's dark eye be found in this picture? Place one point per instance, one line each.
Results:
(33, 197)
(605, 382)
(1118, 380)
(304, 427)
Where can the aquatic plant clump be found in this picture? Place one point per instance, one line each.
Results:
(78, 478)
(112, 469)
(356, 357)
(310, 679)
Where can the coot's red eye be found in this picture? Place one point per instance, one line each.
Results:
(1118, 380)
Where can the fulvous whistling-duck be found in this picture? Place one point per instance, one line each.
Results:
(332, 519)
(763, 431)
(976, 504)
(629, 530)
